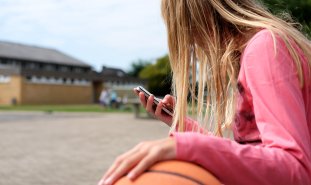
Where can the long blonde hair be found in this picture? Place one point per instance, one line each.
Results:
(206, 38)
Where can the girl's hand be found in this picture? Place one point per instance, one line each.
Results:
(168, 101)
(139, 159)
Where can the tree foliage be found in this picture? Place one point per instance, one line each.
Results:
(137, 67)
(158, 76)
(298, 9)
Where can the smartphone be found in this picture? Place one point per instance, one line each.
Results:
(155, 101)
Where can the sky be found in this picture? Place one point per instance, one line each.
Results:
(112, 33)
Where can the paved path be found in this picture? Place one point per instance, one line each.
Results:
(67, 149)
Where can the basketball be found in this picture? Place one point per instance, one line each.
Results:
(171, 173)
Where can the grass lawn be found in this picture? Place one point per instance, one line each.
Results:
(64, 108)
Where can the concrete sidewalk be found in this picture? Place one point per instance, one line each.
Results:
(67, 148)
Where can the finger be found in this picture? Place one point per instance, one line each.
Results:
(112, 168)
(143, 99)
(142, 166)
(169, 101)
(124, 167)
(166, 98)
(158, 111)
(136, 91)
(161, 150)
(149, 107)
(112, 177)
(119, 160)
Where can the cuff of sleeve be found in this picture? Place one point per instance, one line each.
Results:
(184, 145)
(189, 143)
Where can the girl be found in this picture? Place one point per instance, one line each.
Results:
(243, 69)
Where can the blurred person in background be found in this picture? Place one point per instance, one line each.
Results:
(104, 98)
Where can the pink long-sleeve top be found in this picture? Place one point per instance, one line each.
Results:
(272, 129)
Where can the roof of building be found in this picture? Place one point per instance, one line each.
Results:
(110, 71)
(109, 74)
(38, 54)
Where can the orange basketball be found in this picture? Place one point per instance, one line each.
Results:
(171, 173)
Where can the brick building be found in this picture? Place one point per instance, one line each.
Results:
(36, 75)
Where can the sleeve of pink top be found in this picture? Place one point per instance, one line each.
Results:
(284, 155)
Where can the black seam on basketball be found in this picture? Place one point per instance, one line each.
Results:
(177, 174)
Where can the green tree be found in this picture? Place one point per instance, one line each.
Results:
(298, 9)
(137, 67)
(158, 76)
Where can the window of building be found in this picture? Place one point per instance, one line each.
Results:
(78, 70)
(52, 80)
(49, 67)
(86, 70)
(3, 62)
(9, 62)
(78, 82)
(56, 81)
(32, 65)
(44, 80)
(35, 79)
(120, 74)
(64, 68)
(68, 81)
(59, 81)
(28, 78)
(5, 79)
(84, 82)
(41, 66)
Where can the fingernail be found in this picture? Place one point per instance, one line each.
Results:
(101, 182)
(108, 181)
(131, 176)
